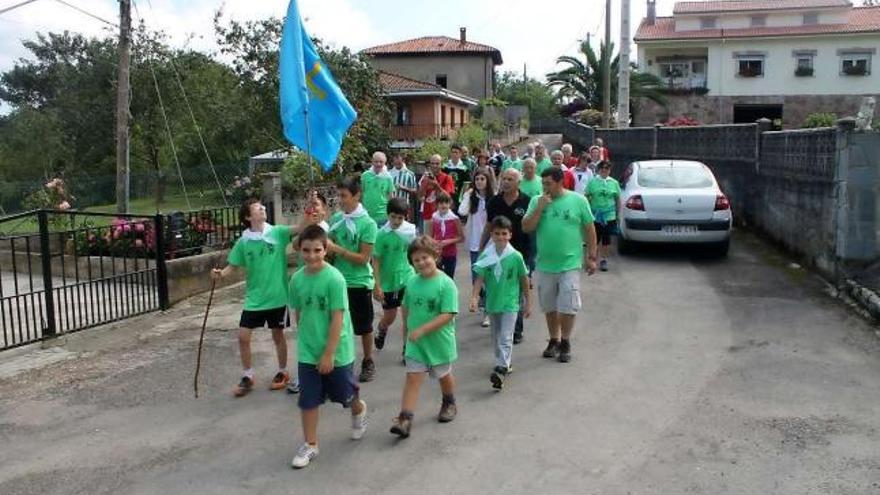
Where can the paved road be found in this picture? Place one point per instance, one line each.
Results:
(689, 376)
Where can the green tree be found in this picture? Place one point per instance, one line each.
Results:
(582, 78)
(532, 93)
(253, 47)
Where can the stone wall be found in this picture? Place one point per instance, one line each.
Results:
(708, 109)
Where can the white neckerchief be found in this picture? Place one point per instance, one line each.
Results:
(406, 231)
(349, 218)
(491, 257)
(456, 166)
(382, 173)
(251, 235)
(442, 218)
(324, 225)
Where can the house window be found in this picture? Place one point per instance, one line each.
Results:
(673, 70)
(404, 114)
(804, 66)
(750, 67)
(442, 115)
(759, 20)
(855, 64)
(811, 18)
(708, 22)
(440, 80)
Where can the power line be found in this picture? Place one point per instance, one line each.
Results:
(20, 4)
(83, 11)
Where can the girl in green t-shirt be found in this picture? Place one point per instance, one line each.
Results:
(603, 192)
(430, 303)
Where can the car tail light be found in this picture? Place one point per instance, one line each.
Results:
(722, 203)
(636, 203)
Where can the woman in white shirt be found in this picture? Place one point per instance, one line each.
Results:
(473, 205)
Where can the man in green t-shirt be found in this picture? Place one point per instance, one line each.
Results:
(260, 252)
(530, 185)
(325, 343)
(562, 222)
(542, 161)
(352, 236)
(391, 264)
(502, 269)
(512, 160)
(603, 192)
(378, 186)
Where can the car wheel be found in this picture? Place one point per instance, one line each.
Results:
(625, 247)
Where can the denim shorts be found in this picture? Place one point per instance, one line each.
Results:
(339, 386)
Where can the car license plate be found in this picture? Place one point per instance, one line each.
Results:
(680, 229)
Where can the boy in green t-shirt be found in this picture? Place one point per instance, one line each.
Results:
(603, 192)
(260, 252)
(391, 265)
(502, 270)
(325, 343)
(352, 236)
(430, 304)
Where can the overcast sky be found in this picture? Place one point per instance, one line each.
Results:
(526, 31)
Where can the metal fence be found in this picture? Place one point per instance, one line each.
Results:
(90, 269)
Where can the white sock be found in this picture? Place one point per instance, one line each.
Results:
(282, 370)
(248, 373)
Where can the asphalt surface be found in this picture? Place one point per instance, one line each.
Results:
(689, 375)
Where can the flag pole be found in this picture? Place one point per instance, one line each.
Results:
(309, 145)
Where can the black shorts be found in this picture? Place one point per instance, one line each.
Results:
(360, 308)
(339, 386)
(272, 318)
(604, 232)
(393, 300)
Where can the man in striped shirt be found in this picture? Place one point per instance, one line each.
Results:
(405, 185)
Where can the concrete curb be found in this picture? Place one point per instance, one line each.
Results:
(866, 298)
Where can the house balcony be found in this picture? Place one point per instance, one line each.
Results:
(693, 85)
(422, 132)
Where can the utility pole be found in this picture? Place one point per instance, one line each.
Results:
(123, 107)
(623, 68)
(606, 69)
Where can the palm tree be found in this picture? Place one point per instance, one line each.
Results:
(583, 79)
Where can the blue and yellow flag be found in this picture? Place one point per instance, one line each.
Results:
(308, 90)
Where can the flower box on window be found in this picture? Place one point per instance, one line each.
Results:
(749, 72)
(803, 71)
(855, 70)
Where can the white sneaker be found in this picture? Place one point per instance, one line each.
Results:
(359, 423)
(485, 323)
(304, 456)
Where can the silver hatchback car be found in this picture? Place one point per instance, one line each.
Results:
(673, 201)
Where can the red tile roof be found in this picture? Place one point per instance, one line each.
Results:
(718, 6)
(395, 82)
(434, 45)
(861, 20)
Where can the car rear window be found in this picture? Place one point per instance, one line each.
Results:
(675, 177)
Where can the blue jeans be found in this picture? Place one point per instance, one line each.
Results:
(447, 265)
(474, 256)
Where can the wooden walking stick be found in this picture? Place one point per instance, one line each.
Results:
(202, 338)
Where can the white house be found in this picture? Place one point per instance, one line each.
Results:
(740, 60)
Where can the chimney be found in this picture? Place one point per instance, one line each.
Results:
(652, 12)
(463, 35)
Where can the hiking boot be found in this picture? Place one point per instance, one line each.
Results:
(552, 349)
(603, 265)
(304, 456)
(401, 425)
(282, 378)
(244, 387)
(379, 339)
(359, 423)
(564, 351)
(293, 386)
(448, 411)
(368, 371)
